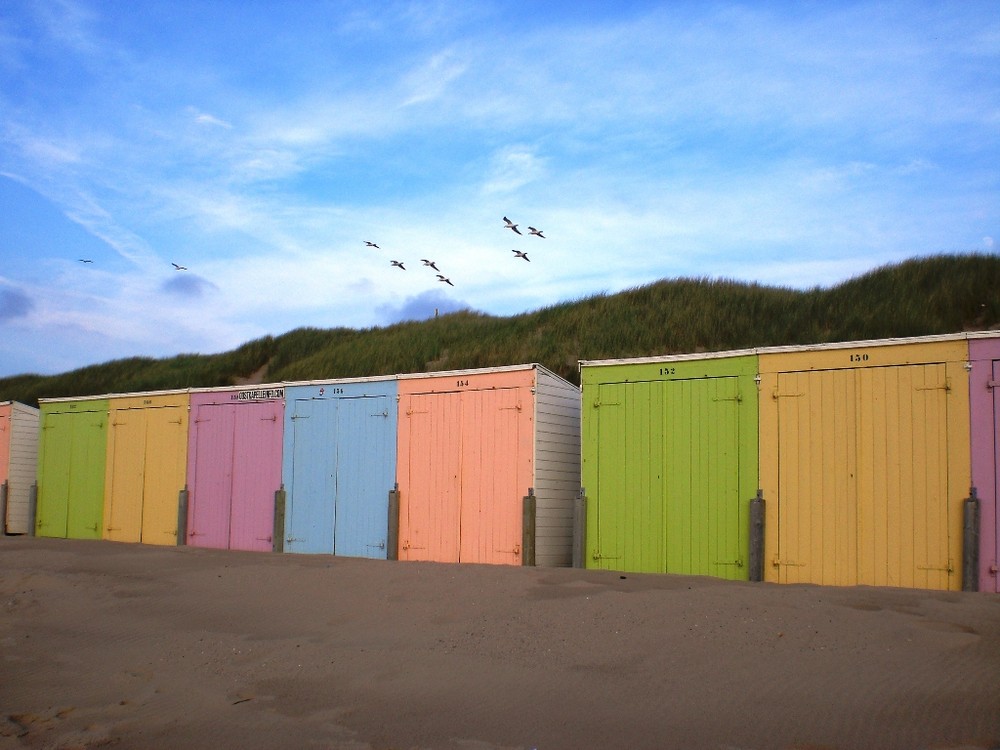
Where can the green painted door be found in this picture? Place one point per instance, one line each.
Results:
(72, 455)
(669, 489)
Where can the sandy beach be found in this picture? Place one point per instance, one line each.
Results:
(129, 646)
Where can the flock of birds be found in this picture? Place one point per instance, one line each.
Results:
(508, 224)
(175, 265)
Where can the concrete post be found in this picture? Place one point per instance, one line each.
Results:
(970, 542)
(32, 508)
(756, 556)
(528, 510)
(182, 517)
(278, 535)
(392, 533)
(580, 529)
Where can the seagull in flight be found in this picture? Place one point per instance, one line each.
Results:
(536, 232)
(398, 264)
(519, 254)
(372, 244)
(445, 279)
(429, 263)
(86, 260)
(511, 225)
(179, 268)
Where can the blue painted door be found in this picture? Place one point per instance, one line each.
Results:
(340, 466)
(364, 474)
(310, 488)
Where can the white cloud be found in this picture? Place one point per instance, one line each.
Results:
(430, 81)
(511, 168)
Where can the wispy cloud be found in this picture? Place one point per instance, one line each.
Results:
(735, 140)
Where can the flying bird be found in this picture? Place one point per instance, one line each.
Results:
(536, 232)
(519, 254)
(445, 279)
(372, 244)
(511, 225)
(86, 260)
(398, 264)
(179, 268)
(429, 263)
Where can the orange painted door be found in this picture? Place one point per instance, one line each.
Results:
(5, 411)
(430, 502)
(465, 466)
(491, 467)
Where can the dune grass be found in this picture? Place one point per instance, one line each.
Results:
(941, 294)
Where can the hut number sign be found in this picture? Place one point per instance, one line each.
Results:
(258, 394)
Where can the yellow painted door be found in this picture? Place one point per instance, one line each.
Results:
(863, 477)
(164, 471)
(126, 451)
(817, 494)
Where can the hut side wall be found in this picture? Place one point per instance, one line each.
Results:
(557, 467)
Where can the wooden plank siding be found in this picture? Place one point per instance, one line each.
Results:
(72, 453)
(984, 377)
(669, 463)
(864, 463)
(18, 463)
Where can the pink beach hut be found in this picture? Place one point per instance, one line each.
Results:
(234, 466)
(984, 378)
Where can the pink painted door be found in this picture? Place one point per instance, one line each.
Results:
(233, 472)
(989, 519)
(210, 474)
(256, 475)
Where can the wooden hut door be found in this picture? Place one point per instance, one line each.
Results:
(126, 456)
(363, 447)
(310, 509)
(495, 472)
(862, 477)
(256, 475)
(993, 553)
(430, 477)
(212, 427)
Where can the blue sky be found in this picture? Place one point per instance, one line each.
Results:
(261, 144)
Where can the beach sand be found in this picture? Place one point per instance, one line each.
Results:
(132, 646)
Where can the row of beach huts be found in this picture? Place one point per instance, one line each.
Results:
(861, 463)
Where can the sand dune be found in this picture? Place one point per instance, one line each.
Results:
(126, 646)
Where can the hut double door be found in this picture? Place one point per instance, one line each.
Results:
(991, 580)
(863, 478)
(237, 470)
(146, 457)
(466, 465)
(5, 430)
(71, 475)
(342, 469)
(667, 495)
